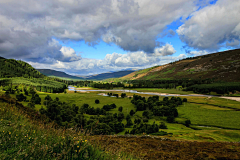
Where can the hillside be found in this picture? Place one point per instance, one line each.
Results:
(16, 73)
(108, 75)
(17, 68)
(50, 72)
(221, 66)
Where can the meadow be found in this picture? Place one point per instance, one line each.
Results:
(26, 139)
(208, 116)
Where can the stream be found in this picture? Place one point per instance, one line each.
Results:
(71, 88)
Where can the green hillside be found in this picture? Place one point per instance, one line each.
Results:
(17, 68)
(16, 75)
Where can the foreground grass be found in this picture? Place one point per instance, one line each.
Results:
(22, 137)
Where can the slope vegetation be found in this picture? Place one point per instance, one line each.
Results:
(103, 76)
(50, 72)
(221, 66)
(17, 68)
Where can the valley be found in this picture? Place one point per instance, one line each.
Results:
(199, 112)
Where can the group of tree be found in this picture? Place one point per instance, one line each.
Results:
(107, 85)
(219, 88)
(79, 83)
(166, 83)
(17, 68)
(154, 107)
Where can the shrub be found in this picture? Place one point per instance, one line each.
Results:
(97, 101)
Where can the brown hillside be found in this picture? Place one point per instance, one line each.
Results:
(222, 66)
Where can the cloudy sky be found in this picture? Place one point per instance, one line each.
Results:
(83, 37)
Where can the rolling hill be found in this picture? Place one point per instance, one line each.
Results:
(59, 74)
(221, 66)
(103, 76)
(17, 68)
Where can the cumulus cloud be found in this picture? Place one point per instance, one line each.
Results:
(26, 30)
(213, 27)
(114, 62)
(69, 54)
(164, 50)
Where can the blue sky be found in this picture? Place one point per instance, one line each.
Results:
(83, 37)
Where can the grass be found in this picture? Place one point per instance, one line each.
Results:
(221, 102)
(23, 137)
(169, 91)
(199, 115)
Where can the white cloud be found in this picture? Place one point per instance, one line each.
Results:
(164, 50)
(69, 54)
(112, 62)
(213, 27)
(131, 24)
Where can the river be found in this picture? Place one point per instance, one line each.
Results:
(71, 88)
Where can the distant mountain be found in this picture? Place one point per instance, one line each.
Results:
(108, 75)
(17, 68)
(59, 74)
(221, 66)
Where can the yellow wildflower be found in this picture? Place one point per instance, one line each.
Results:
(85, 140)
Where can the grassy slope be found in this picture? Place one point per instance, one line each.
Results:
(24, 137)
(223, 66)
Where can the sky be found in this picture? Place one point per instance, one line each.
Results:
(84, 37)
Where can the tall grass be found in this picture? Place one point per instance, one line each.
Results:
(25, 137)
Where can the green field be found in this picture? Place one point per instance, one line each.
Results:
(202, 111)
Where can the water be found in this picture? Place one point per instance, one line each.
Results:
(71, 88)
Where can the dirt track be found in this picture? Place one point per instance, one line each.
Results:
(232, 98)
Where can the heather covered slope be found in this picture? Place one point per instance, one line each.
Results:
(221, 66)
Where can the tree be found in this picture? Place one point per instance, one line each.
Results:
(123, 95)
(21, 97)
(31, 105)
(129, 123)
(120, 109)
(132, 112)
(162, 126)
(184, 99)
(97, 101)
(146, 114)
(120, 116)
(187, 123)
(170, 119)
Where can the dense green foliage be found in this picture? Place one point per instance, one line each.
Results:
(165, 83)
(220, 88)
(21, 84)
(17, 68)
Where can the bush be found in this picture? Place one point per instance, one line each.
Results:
(162, 126)
(97, 101)
(21, 97)
(184, 99)
(120, 109)
(187, 123)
